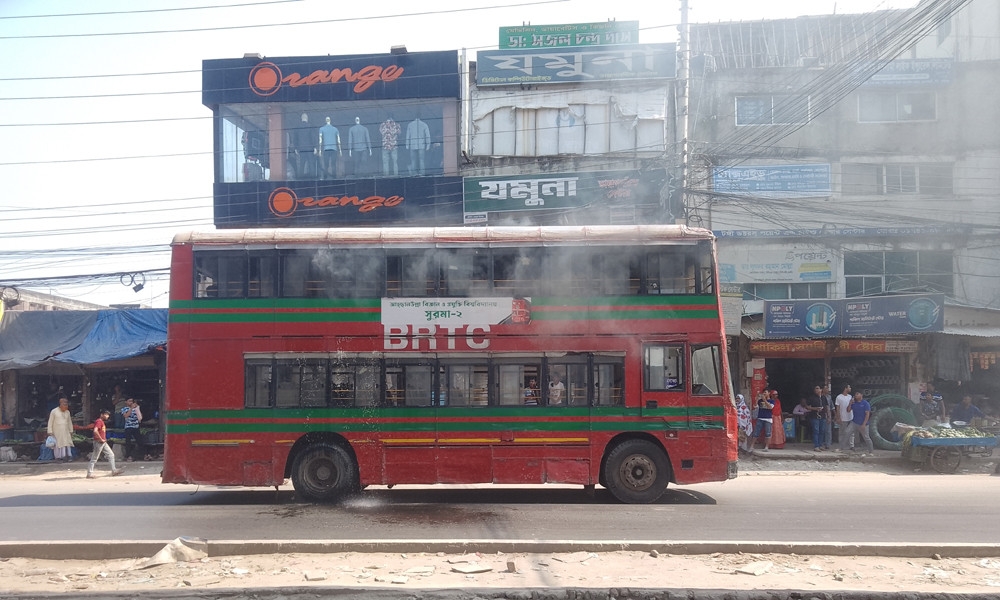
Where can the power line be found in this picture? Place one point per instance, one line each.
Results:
(287, 24)
(147, 10)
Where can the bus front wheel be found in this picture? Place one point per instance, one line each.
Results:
(324, 473)
(636, 472)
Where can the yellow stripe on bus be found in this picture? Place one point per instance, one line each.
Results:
(220, 442)
(409, 441)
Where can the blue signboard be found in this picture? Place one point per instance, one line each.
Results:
(635, 62)
(772, 180)
(802, 318)
(834, 231)
(331, 78)
(340, 202)
(854, 317)
(893, 314)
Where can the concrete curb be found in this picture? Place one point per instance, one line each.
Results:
(87, 550)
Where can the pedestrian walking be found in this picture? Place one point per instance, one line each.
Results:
(101, 445)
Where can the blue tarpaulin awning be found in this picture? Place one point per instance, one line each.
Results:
(28, 338)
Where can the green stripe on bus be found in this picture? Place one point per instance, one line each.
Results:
(429, 419)
(451, 412)
(271, 317)
(312, 310)
(429, 427)
(275, 303)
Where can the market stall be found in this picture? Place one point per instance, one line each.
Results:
(942, 448)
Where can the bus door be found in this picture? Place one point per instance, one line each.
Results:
(466, 424)
(409, 433)
(664, 384)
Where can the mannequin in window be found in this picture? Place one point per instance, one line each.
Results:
(303, 149)
(418, 141)
(329, 150)
(390, 152)
(359, 147)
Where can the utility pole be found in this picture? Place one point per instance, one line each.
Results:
(679, 195)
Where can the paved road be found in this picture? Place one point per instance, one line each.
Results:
(847, 507)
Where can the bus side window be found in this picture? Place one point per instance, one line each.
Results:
(706, 371)
(663, 368)
(609, 381)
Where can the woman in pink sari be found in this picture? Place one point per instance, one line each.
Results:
(778, 428)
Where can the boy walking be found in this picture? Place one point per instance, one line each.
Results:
(101, 446)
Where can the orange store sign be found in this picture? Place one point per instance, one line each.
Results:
(283, 202)
(266, 78)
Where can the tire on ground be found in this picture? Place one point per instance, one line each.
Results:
(881, 424)
(636, 472)
(324, 472)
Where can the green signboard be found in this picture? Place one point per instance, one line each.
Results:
(565, 36)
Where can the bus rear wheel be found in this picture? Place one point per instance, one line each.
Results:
(324, 473)
(636, 472)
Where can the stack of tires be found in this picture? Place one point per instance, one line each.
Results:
(887, 410)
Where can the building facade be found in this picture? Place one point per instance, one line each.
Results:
(853, 159)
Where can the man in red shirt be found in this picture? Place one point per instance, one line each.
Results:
(101, 445)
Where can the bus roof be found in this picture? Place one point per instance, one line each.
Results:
(637, 235)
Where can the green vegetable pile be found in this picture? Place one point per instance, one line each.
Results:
(944, 432)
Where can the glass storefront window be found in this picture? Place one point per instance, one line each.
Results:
(298, 141)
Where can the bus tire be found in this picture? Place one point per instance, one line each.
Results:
(636, 472)
(324, 473)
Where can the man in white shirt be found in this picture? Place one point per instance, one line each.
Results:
(846, 419)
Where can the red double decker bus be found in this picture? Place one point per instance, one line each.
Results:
(343, 358)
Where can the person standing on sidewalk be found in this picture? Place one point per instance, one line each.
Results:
(862, 412)
(133, 441)
(817, 417)
(101, 445)
(829, 416)
(845, 418)
(764, 422)
(61, 427)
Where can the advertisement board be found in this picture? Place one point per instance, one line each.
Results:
(854, 317)
(578, 34)
(751, 264)
(343, 202)
(561, 190)
(331, 78)
(771, 180)
(637, 62)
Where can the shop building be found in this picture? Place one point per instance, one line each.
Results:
(96, 358)
(837, 171)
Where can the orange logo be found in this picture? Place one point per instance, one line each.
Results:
(266, 77)
(283, 202)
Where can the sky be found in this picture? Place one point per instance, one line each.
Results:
(106, 149)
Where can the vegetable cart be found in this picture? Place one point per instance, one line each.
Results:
(944, 454)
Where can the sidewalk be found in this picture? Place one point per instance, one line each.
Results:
(43, 466)
(892, 461)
